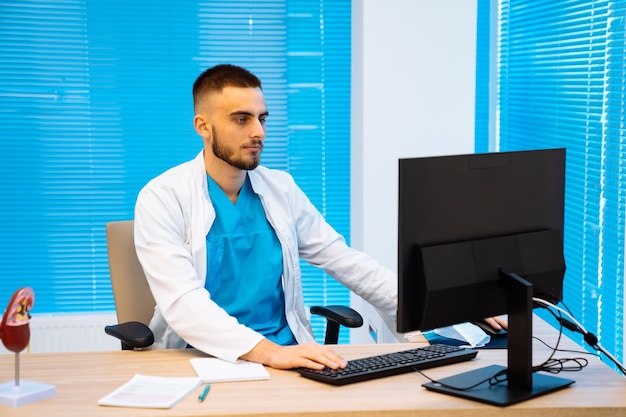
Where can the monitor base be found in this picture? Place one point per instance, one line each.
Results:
(498, 394)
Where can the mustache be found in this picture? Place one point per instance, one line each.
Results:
(254, 142)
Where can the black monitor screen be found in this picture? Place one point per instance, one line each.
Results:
(464, 218)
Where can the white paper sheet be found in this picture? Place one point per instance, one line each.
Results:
(151, 392)
(217, 370)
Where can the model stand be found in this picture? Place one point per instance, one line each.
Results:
(15, 335)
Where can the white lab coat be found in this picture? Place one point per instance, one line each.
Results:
(173, 215)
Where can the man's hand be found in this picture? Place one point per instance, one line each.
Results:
(497, 323)
(309, 355)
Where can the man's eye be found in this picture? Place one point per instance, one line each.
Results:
(240, 120)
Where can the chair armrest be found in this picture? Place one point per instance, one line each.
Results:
(337, 315)
(342, 315)
(132, 334)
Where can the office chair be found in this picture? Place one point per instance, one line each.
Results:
(134, 303)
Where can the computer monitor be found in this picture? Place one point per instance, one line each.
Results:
(479, 235)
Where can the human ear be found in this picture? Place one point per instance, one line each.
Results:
(201, 125)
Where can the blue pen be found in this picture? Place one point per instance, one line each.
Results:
(205, 391)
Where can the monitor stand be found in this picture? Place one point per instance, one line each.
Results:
(521, 383)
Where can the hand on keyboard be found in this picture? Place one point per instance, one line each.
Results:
(307, 355)
(391, 364)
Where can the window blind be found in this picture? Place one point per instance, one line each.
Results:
(561, 79)
(483, 76)
(95, 100)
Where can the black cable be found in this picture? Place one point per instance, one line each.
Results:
(467, 388)
(555, 366)
(589, 338)
(552, 365)
(581, 352)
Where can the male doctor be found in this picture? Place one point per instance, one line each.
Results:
(220, 238)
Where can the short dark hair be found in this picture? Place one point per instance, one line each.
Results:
(214, 79)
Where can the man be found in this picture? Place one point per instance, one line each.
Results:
(220, 239)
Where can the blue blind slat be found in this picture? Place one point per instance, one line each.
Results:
(561, 83)
(95, 99)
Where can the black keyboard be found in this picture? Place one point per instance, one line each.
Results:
(389, 364)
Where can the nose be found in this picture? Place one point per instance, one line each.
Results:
(258, 130)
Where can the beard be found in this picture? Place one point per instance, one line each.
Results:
(226, 154)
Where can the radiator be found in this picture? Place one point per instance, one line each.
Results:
(70, 333)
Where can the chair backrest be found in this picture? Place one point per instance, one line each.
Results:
(132, 295)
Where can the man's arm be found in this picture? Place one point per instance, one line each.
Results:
(308, 355)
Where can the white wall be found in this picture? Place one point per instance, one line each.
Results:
(413, 90)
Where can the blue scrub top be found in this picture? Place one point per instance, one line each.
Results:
(245, 264)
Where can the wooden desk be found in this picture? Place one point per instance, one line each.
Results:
(83, 378)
